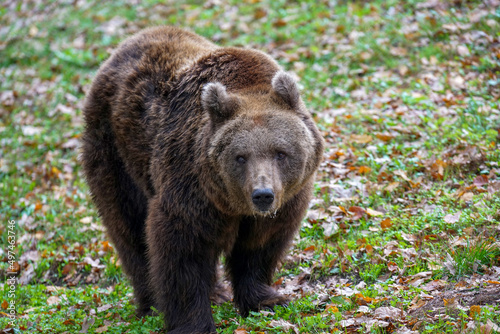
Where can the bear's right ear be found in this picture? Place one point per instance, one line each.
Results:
(217, 102)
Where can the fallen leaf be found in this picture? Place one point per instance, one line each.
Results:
(417, 303)
(240, 331)
(391, 186)
(434, 285)
(450, 302)
(386, 223)
(452, 219)
(347, 322)
(330, 229)
(104, 308)
(374, 213)
(86, 220)
(357, 212)
(361, 139)
(53, 300)
(310, 248)
(492, 325)
(390, 312)
(480, 180)
(279, 23)
(68, 268)
(392, 266)
(283, 324)
(402, 173)
(364, 170)
(363, 300)
(259, 13)
(463, 51)
(331, 308)
(101, 329)
(474, 311)
(467, 197)
(5, 304)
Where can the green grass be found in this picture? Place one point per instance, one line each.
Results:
(390, 70)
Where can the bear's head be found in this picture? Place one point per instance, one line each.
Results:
(262, 146)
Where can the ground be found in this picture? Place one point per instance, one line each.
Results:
(402, 234)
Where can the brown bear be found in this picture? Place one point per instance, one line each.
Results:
(194, 151)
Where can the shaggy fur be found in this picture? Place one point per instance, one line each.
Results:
(182, 138)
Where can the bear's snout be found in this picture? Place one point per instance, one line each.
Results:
(263, 198)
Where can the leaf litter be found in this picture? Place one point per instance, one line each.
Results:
(396, 115)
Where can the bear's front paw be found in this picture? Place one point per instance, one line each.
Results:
(265, 298)
(220, 294)
(272, 301)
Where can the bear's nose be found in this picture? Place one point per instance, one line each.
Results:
(263, 198)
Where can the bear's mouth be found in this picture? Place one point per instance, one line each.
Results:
(271, 214)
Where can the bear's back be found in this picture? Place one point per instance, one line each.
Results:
(129, 91)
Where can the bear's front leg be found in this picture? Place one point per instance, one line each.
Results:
(182, 272)
(260, 245)
(251, 273)
(253, 261)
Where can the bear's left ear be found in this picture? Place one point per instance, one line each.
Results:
(217, 102)
(286, 87)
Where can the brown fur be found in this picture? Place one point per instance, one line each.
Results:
(192, 151)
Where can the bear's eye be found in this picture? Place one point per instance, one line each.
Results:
(240, 159)
(280, 156)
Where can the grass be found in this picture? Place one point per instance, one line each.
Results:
(393, 73)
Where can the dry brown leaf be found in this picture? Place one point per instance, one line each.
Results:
(480, 180)
(364, 170)
(363, 300)
(279, 23)
(357, 212)
(283, 324)
(259, 13)
(104, 308)
(402, 174)
(392, 186)
(452, 219)
(331, 308)
(384, 136)
(450, 302)
(463, 51)
(68, 268)
(390, 313)
(310, 248)
(361, 139)
(467, 197)
(417, 303)
(330, 229)
(391, 266)
(434, 285)
(475, 310)
(53, 300)
(386, 223)
(101, 329)
(374, 213)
